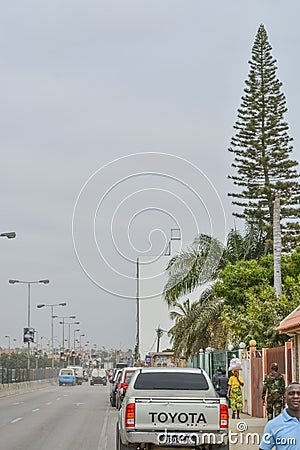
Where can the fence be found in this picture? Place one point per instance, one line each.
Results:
(255, 364)
(8, 376)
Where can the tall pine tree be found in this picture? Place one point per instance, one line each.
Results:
(262, 150)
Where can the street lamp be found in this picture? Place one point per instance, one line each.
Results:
(75, 331)
(80, 340)
(63, 327)
(8, 235)
(137, 343)
(51, 305)
(69, 335)
(29, 283)
(42, 347)
(8, 337)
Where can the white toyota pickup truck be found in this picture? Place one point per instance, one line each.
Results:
(172, 408)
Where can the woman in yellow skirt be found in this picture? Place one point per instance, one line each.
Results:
(235, 395)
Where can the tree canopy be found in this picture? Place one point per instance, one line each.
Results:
(262, 150)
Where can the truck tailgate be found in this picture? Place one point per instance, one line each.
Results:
(189, 414)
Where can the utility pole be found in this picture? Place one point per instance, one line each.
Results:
(159, 333)
(137, 345)
(277, 245)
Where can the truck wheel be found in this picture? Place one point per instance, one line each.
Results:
(119, 445)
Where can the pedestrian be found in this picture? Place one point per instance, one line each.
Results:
(215, 377)
(222, 384)
(273, 389)
(235, 394)
(283, 432)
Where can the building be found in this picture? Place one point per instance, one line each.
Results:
(291, 326)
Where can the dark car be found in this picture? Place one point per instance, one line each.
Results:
(98, 377)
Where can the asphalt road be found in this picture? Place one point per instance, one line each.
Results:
(58, 418)
(78, 418)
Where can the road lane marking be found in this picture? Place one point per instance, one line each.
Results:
(58, 398)
(102, 444)
(78, 404)
(35, 410)
(49, 403)
(17, 403)
(16, 420)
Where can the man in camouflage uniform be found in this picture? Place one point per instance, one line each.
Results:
(274, 389)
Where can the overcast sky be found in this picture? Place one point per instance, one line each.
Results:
(117, 116)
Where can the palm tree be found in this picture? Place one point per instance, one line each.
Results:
(198, 266)
(194, 267)
(192, 322)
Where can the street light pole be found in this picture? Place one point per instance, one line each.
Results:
(63, 325)
(8, 337)
(75, 331)
(69, 334)
(80, 340)
(137, 345)
(51, 306)
(29, 283)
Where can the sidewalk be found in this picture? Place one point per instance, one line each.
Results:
(252, 422)
(246, 432)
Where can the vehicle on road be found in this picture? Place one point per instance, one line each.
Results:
(122, 384)
(172, 408)
(113, 385)
(78, 373)
(66, 376)
(98, 377)
(85, 375)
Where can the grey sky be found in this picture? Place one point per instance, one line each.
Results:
(86, 82)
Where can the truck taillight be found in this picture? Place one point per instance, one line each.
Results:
(223, 416)
(130, 415)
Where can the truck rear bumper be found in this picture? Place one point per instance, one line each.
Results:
(164, 438)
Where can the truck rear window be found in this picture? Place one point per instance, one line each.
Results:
(171, 381)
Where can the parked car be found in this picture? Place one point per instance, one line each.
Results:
(98, 377)
(113, 385)
(122, 384)
(172, 408)
(67, 376)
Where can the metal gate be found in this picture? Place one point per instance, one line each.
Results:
(256, 366)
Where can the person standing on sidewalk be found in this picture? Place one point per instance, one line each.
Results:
(235, 395)
(223, 384)
(283, 432)
(274, 388)
(215, 378)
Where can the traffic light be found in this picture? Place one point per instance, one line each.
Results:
(28, 335)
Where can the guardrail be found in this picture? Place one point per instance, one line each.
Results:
(9, 376)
